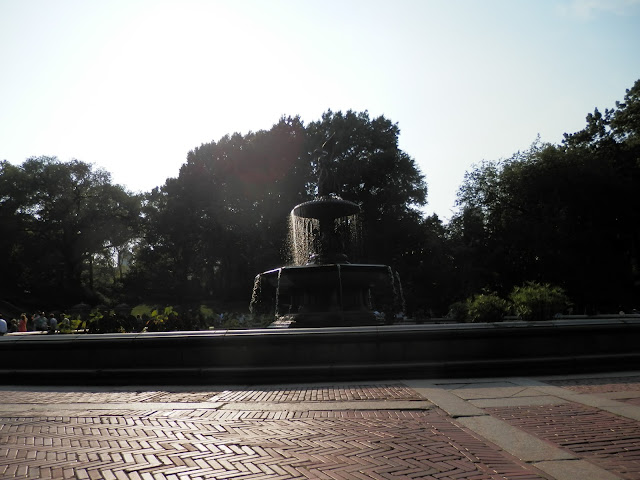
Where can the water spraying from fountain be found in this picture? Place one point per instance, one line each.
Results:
(309, 242)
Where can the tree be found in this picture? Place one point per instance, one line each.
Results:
(64, 215)
(566, 214)
(224, 218)
(429, 280)
(13, 219)
(371, 170)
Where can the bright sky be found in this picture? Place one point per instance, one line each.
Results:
(133, 85)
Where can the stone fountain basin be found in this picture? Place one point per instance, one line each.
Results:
(319, 275)
(332, 294)
(325, 354)
(328, 295)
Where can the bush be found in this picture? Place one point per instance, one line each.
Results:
(142, 309)
(534, 301)
(487, 307)
(458, 312)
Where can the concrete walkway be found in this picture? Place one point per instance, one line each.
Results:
(555, 427)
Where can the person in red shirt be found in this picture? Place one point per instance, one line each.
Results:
(22, 325)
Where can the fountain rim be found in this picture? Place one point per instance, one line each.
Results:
(325, 207)
(364, 266)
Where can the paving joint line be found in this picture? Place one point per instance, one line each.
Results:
(547, 457)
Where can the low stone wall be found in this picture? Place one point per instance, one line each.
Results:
(324, 354)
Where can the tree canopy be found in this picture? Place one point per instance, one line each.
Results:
(567, 214)
(61, 218)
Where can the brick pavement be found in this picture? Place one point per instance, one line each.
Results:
(51, 396)
(320, 394)
(581, 426)
(476, 429)
(601, 437)
(605, 439)
(176, 394)
(194, 443)
(323, 445)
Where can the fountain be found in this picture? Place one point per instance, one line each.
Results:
(322, 288)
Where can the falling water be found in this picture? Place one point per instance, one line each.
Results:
(340, 299)
(353, 226)
(402, 302)
(278, 293)
(303, 236)
(255, 294)
(393, 285)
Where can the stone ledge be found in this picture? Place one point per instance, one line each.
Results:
(396, 351)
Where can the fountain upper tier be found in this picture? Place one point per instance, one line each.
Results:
(327, 207)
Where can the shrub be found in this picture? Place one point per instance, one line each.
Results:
(458, 312)
(142, 309)
(487, 307)
(534, 301)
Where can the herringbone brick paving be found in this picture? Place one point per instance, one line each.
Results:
(322, 445)
(320, 394)
(53, 397)
(266, 394)
(199, 443)
(605, 439)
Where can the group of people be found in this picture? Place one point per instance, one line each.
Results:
(37, 322)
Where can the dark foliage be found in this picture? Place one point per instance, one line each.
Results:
(565, 214)
(62, 221)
